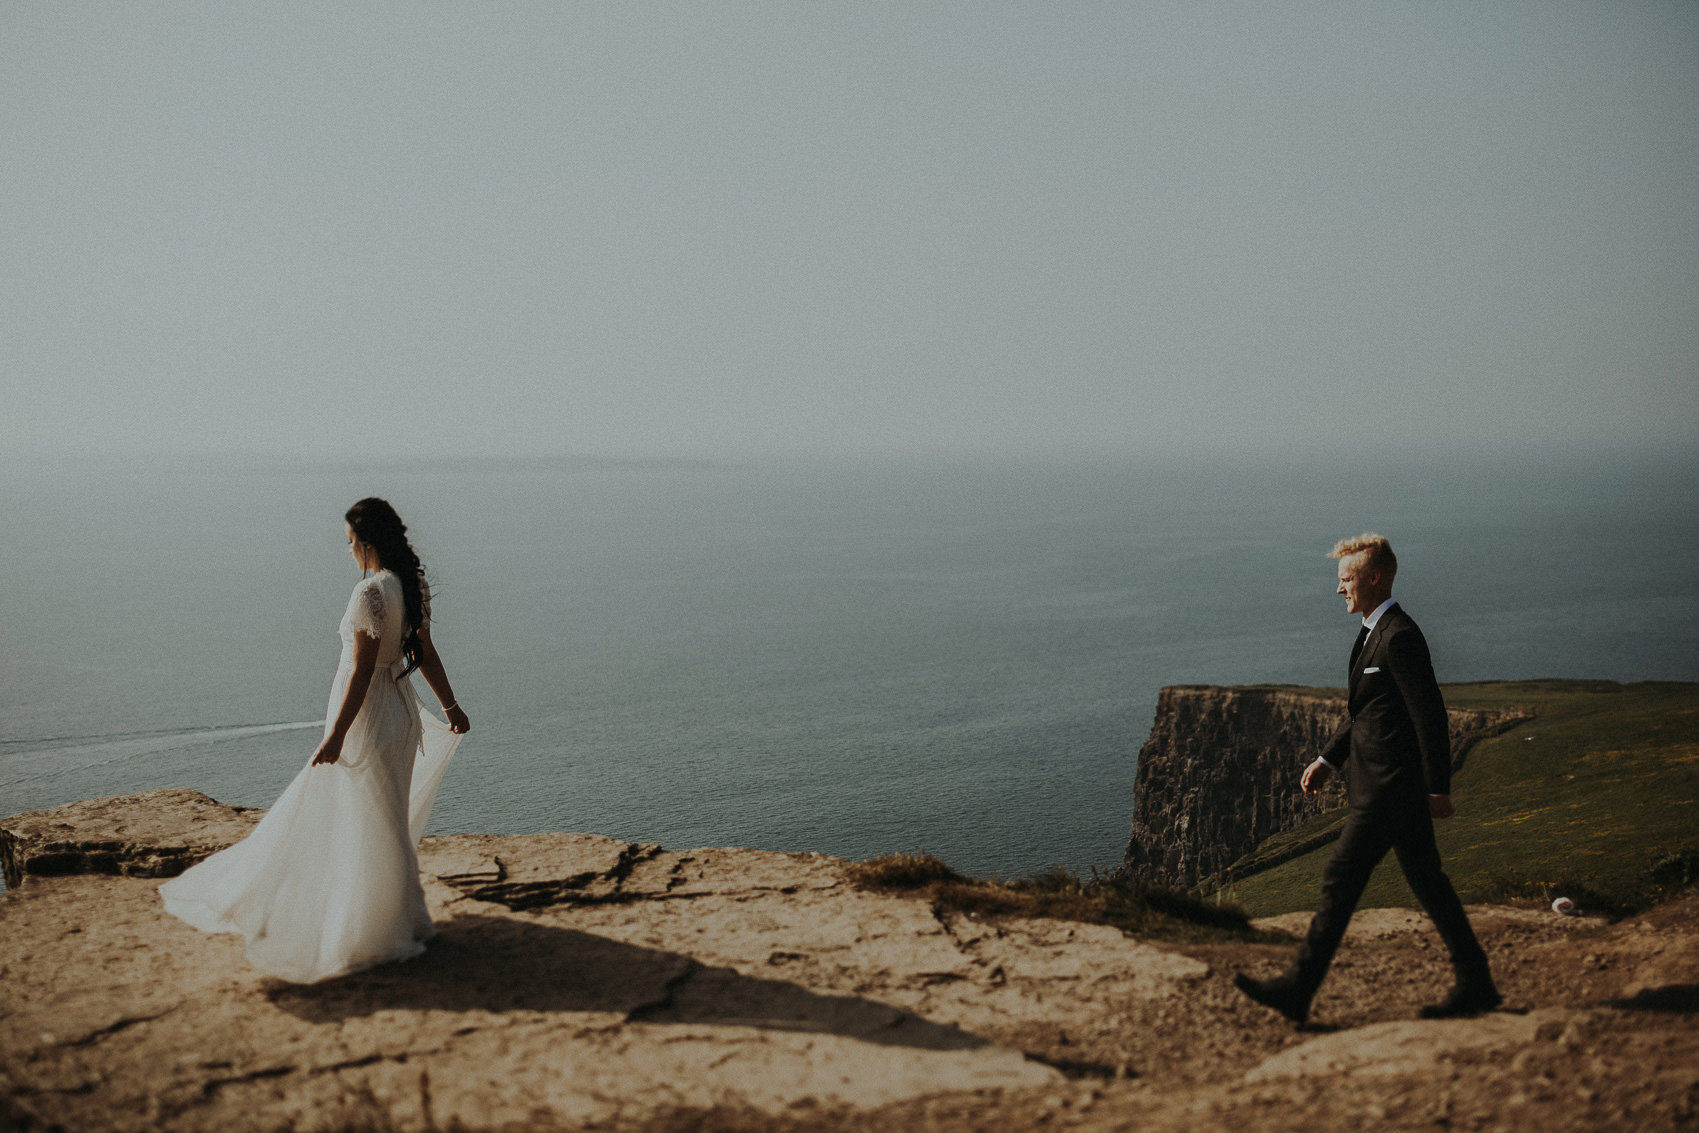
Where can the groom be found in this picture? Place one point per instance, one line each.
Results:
(1396, 750)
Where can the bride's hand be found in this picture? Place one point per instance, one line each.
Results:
(458, 723)
(330, 750)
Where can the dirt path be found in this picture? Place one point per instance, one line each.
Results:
(1600, 1030)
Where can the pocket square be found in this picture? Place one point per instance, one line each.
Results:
(1371, 669)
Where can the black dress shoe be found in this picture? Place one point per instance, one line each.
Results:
(1280, 993)
(1465, 999)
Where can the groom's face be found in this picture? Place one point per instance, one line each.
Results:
(1360, 585)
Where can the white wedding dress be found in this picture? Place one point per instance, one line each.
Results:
(328, 882)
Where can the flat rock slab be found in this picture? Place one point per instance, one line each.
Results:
(582, 980)
(503, 1018)
(1415, 1048)
(574, 978)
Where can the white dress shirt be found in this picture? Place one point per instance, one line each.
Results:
(1369, 622)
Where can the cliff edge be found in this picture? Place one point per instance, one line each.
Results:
(1219, 773)
(583, 983)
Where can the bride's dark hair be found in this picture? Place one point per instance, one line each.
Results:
(375, 524)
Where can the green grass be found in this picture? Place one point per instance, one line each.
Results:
(1142, 910)
(1584, 800)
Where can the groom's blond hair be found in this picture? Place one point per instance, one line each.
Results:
(1375, 552)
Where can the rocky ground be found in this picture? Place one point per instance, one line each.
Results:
(583, 983)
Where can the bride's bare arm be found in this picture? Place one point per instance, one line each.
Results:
(365, 664)
(437, 677)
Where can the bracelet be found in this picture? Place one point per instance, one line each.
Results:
(451, 707)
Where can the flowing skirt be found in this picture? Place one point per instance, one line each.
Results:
(328, 882)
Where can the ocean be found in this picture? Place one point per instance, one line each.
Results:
(961, 656)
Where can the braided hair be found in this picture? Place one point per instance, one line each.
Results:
(376, 525)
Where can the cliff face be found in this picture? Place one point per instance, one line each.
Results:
(1219, 773)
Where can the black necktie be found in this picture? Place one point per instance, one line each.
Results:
(1362, 636)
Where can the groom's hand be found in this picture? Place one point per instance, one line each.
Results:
(1315, 777)
(1440, 806)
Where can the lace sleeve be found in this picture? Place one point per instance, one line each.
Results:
(368, 613)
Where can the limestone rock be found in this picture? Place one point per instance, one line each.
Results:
(152, 834)
(573, 976)
(578, 981)
(1387, 1049)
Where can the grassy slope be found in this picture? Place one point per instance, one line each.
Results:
(1600, 785)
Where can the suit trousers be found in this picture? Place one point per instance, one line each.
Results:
(1369, 833)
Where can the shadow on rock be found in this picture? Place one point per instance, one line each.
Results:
(1673, 997)
(493, 964)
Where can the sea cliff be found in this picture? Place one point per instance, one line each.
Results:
(1219, 773)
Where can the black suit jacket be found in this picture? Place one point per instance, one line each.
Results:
(1396, 748)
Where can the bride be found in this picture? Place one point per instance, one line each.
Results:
(328, 882)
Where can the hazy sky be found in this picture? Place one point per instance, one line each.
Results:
(697, 228)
